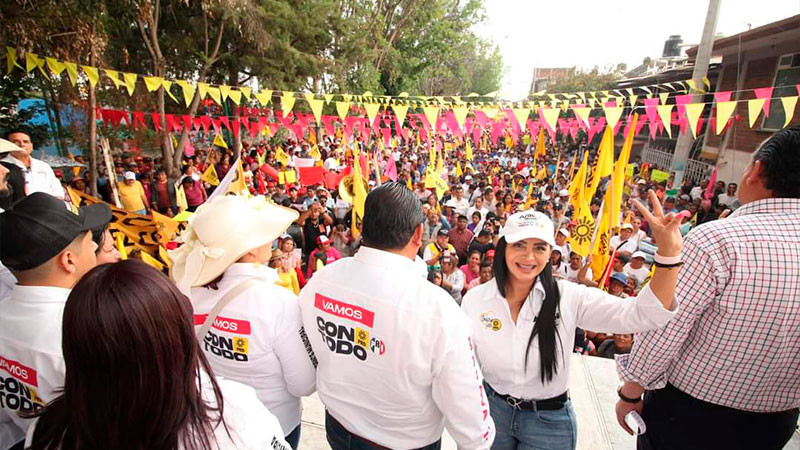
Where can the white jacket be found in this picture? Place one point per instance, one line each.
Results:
(501, 344)
(31, 363)
(258, 339)
(39, 178)
(250, 424)
(395, 354)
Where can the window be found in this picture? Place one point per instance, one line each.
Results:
(786, 78)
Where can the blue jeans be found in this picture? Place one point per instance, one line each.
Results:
(533, 430)
(293, 438)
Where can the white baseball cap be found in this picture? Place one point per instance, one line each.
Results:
(563, 193)
(468, 177)
(564, 231)
(528, 225)
(626, 226)
(639, 254)
(130, 176)
(450, 203)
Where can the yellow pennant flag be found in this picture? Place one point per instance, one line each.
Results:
(603, 164)
(316, 108)
(219, 142)
(400, 111)
(372, 111)
(188, 91)
(287, 103)
(55, 65)
(789, 104)
(693, 112)
(130, 82)
(224, 91)
(167, 86)
(602, 238)
(113, 75)
(724, 112)
(235, 95)
(342, 108)
(665, 113)
(314, 152)
(210, 176)
(281, 156)
(431, 113)
(215, 94)
(264, 97)
(754, 107)
(72, 71)
(153, 83)
(92, 74)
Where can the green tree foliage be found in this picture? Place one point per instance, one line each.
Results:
(583, 81)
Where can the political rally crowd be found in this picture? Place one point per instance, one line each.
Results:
(414, 288)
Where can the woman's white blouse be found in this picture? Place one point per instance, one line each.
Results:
(501, 344)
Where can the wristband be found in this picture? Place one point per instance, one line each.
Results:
(668, 266)
(627, 399)
(668, 260)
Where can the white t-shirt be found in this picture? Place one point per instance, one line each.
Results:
(630, 246)
(725, 199)
(572, 275)
(640, 274)
(39, 178)
(258, 339)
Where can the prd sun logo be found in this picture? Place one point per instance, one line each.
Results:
(583, 232)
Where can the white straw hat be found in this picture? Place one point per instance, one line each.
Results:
(527, 225)
(8, 147)
(222, 231)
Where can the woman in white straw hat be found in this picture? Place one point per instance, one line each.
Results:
(250, 327)
(525, 323)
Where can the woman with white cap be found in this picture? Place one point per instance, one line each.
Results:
(250, 327)
(532, 317)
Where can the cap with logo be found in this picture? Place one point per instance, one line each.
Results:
(528, 225)
(130, 176)
(39, 227)
(322, 239)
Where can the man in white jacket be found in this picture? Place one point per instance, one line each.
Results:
(396, 360)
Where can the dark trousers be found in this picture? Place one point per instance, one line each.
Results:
(293, 438)
(341, 439)
(676, 420)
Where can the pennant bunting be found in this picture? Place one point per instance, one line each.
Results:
(130, 82)
(665, 113)
(400, 112)
(693, 113)
(92, 74)
(342, 108)
(287, 103)
(188, 91)
(789, 104)
(754, 107)
(724, 111)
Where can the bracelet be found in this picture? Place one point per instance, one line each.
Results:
(661, 259)
(668, 266)
(627, 399)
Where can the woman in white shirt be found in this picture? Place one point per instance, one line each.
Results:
(525, 325)
(136, 378)
(453, 280)
(257, 338)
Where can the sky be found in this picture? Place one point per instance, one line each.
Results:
(585, 33)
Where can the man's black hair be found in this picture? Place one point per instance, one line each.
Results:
(392, 214)
(780, 155)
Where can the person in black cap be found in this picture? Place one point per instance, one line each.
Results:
(48, 249)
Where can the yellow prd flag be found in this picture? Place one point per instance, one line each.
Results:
(238, 185)
(468, 150)
(601, 244)
(180, 198)
(167, 227)
(120, 239)
(281, 156)
(440, 165)
(210, 176)
(359, 193)
(219, 142)
(581, 239)
(529, 202)
(572, 166)
(603, 165)
(459, 172)
(314, 153)
(558, 163)
(431, 155)
(618, 177)
(540, 150)
(577, 185)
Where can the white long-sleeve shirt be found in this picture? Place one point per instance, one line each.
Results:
(39, 177)
(258, 339)
(395, 354)
(31, 363)
(501, 344)
(249, 424)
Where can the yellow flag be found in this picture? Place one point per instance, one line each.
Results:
(600, 247)
(603, 165)
(219, 142)
(577, 185)
(530, 200)
(123, 254)
(238, 186)
(459, 172)
(581, 238)
(281, 156)
(180, 198)
(468, 150)
(210, 176)
(314, 152)
(540, 150)
(618, 177)
(167, 227)
(359, 193)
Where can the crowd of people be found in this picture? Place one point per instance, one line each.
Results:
(455, 307)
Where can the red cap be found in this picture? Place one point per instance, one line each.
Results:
(490, 254)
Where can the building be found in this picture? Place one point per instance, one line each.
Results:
(767, 56)
(546, 76)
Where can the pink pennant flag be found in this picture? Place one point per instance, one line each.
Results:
(235, 127)
(724, 96)
(188, 148)
(681, 101)
(650, 108)
(640, 124)
(765, 93)
(709, 193)
(390, 171)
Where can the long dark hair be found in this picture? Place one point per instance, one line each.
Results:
(133, 367)
(544, 324)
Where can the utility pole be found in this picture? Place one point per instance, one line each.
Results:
(685, 140)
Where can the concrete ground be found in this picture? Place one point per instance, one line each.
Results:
(593, 385)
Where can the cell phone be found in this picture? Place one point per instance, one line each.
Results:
(635, 423)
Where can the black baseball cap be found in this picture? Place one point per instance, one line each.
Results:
(39, 227)
(443, 232)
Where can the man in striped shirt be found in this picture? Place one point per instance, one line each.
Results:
(725, 372)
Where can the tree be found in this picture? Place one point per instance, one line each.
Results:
(579, 81)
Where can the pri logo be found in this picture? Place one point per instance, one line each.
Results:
(344, 310)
